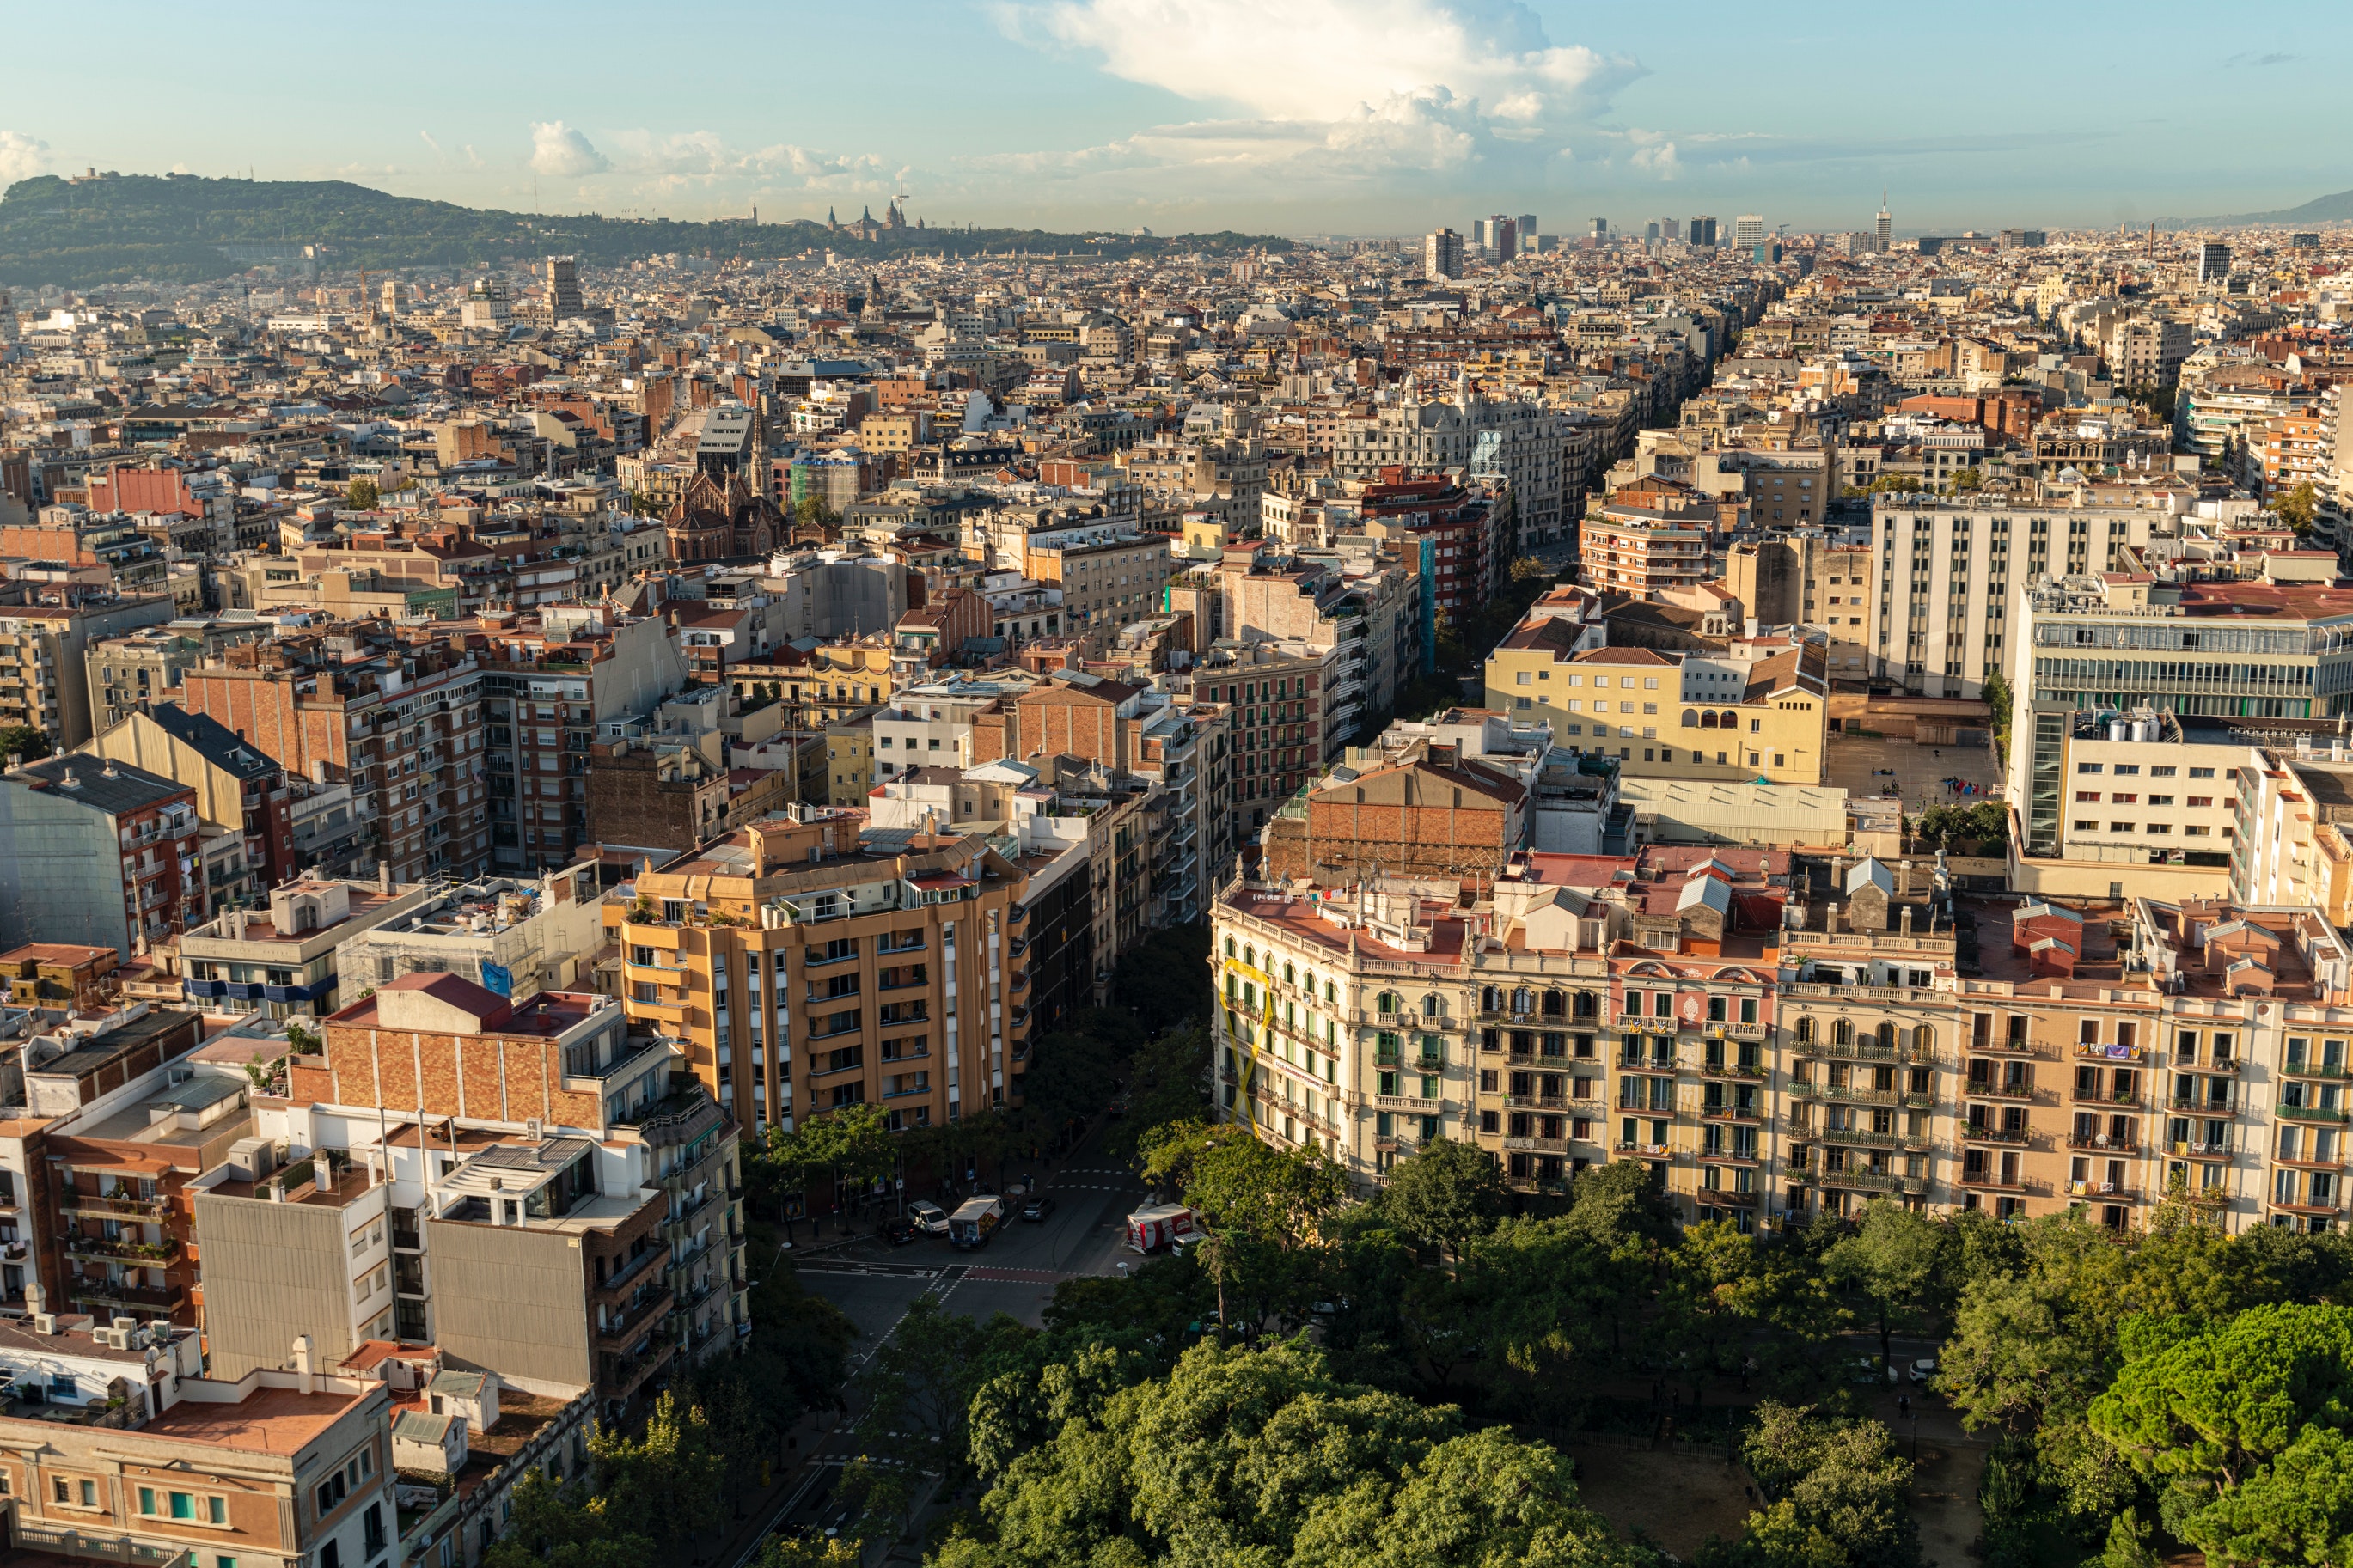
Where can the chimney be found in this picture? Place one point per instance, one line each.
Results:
(302, 1363)
(383, 877)
(1903, 878)
(36, 1299)
(1904, 920)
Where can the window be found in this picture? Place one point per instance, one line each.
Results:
(2087, 767)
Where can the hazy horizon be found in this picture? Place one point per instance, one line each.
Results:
(1371, 119)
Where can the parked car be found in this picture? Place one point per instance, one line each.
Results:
(928, 1218)
(899, 1231)
(1038, 1208)
(1923, 1369)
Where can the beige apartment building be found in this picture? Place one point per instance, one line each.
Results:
(800, 972)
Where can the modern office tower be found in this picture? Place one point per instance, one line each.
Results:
(1702, 231)
(1601, 229)
(1441, 254)
(2213, 261)
(1502, 238)
(1886, 230)
(1526, 223)
(1749, 231)
(1651, 232)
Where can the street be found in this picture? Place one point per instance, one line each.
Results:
(874, 1283)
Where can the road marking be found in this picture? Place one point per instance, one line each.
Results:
(1020, 1276)
(891, 1270)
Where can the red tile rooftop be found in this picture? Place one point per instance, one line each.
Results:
(1302, 917)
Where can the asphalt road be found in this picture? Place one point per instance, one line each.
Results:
(1015, 1273)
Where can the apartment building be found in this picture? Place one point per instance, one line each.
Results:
(801, 969)
(274, 1466)
(401, 725)
(239, 792)
(1287, 714)
(548, 693)
(514, 937)
(1949, 575)
(282, 961)
(1106, 576)
(99, 854)
(1642, 553)
(521, 1184)
(1523, 441)
(128, 674)
(1757, 710)
(44, 643)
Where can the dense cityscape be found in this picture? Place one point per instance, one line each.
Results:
(1567, 964)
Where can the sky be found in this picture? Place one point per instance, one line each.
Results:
(1294, 117)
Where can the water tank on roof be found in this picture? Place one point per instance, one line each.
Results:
(2145, 730)
(2119, 730)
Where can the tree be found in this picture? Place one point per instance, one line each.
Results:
(2299, 507)
(1998, 697)
(362, 495)
(849, 1144)
(1839, 1495)
(918, 1387)
(2241, 1425)
(1239, 1183)
(1448, 1193)
(1164, 980)
(556, 1526)
(808, 1552)
(1894, 1261)
(667, 1480)
(25, 742)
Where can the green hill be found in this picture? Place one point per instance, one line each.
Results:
(184, 229)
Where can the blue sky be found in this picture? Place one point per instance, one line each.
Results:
(1287, 116)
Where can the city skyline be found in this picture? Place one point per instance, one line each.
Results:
(1386, 117)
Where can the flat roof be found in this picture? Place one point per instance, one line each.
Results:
(278, 1421)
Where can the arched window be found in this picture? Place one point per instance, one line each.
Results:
(1555, 1004)
(1588, 1004)
(1923, 1040)
(1249, 956)
(1707, 721)
(1887, 1037)
(1690, 718)
(1806, 1030)
(1491, 999)
(1431, 1006)
(1728, 722)
(1229, 947)
(1842, 1032)
(1290, 975)
(1308, 981)
(1331, 992)
(1386, 1002)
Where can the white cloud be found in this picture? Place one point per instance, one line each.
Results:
(1332, 59)
(21, 157)
(1337, 92)
(557, 149)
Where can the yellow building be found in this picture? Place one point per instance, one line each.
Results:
(1760, 710)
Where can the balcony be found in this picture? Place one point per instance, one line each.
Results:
(1916, 1143)
(2336, 1070)
(1851, 1095)
(153, 1254)
(1644, 1151)
(2015, 1137)
(618, 1330)
(2078, 1094)
(2213, 1110)
(149, 1299)
(1752, 1072)
(2100, 1142)
(1871, 1181)
(1863, 1051)
(1992, 1181)
(2185, 1150)
(1986, 1089)
(2107, 1192)
(1706, 1195)
(2307, 1113)
(1732, 1113)
(114, 1205)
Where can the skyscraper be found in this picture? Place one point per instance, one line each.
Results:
(1441, 254)
(1702, 231)
(2213, 261)
(1749, 231)
(1601, 230)
(1527, 226)
(1886, 230)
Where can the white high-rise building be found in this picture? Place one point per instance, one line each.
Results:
(1749, 231)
